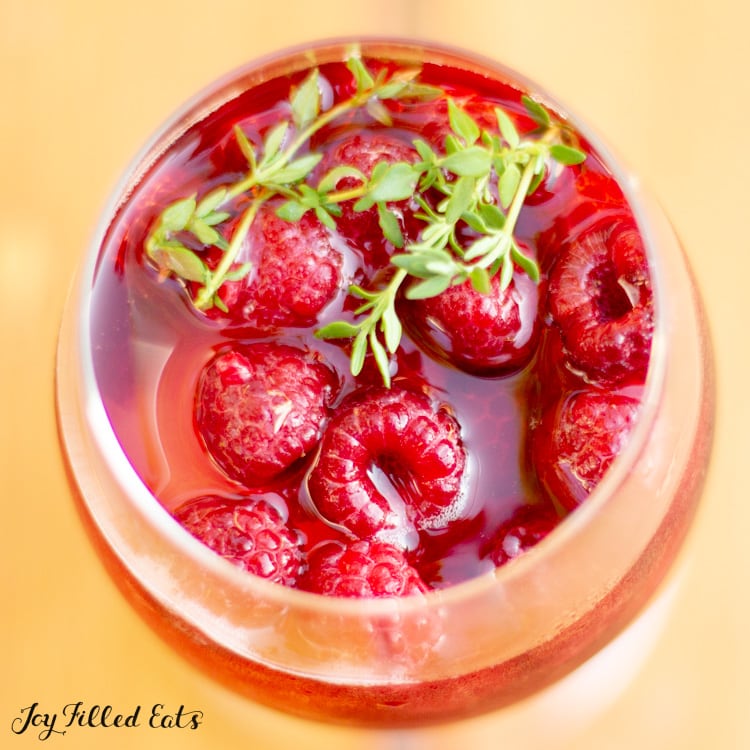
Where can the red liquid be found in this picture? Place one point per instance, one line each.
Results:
(150, 345)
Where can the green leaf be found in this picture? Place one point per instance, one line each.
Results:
(536, 181)
(238, 273)
(177, 215)
(566, 155)
(404, 85)
(425, 151)
(527, 264)
(297, 169)
(379, 112)
(389, 225)
(396, 183)
(362, 76)
(475, 221)
(364, 203)
(325, 218)
(436, 232)
(274, 139)
(392, 328)
(209, 202)
(428, 288)
(508, 184)
(461, 199)
(306, 101)
(366, 307)
(215, 217)
(537, 112)
(329, 180)
(217, 301)
(425, 264)
(362, 293)
(414, 263)
(452, 144)
(491, 215)
(206, 234)
(291, 211)
(378, 171)
(482, 246)
(392, 89)
(507, 128)
(359, 350)
(462, 124)
(474, 161)
(183, 263)
(506, 272)
(308, 197)
(381, 358)
(445, 268)
(339, 329)
(421, 92)
(248, 151)
(480, 280)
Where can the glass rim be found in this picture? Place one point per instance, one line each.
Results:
(191, 112)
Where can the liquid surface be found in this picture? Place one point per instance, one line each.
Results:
(150, 344)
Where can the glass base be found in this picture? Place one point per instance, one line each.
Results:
(558, 715)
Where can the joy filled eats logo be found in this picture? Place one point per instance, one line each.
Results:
(32, 719)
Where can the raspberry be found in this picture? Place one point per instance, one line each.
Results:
(484, 334)
(390, 462)
(600, 297)
(576, 441)
(363, 150)
(249, 533)
(361, 569)
(260, 408)
(295, 273)
(525, 528)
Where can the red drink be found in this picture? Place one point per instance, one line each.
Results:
(162, 349)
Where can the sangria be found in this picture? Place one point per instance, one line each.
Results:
(385, 387)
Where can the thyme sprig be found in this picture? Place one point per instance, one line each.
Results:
(473, 161)
(481, 177)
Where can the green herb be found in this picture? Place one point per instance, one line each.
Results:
(463, 173)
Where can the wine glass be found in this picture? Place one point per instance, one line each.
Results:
(478, 646)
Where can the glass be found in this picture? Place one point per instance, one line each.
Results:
(470, 648)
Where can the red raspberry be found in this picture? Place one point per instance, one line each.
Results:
(390, 461)
(363, 150)
(576, 441)
(485, 334)
(249, 533)
(295, 273)
(361, 569)
(525, 528)
(600, 296)
(260, 408)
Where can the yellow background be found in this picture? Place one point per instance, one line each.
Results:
(83, 84)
